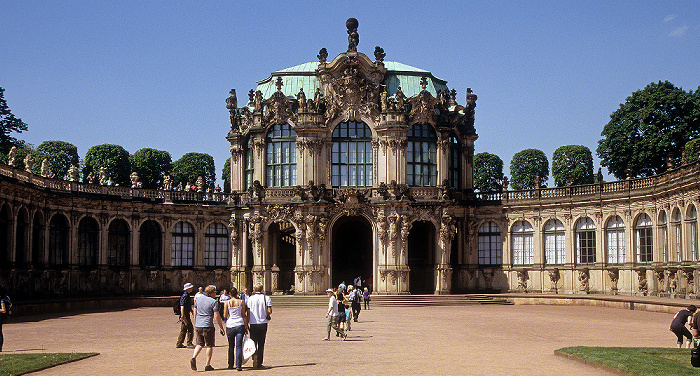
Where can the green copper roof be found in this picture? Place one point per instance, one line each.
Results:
(304, 76)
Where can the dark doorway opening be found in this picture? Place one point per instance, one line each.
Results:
(421, 258)
(352, 250)
(283, 245)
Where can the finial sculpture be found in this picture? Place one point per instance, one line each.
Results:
(353, 36)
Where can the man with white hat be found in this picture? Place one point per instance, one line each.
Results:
(332, 316)
(186, 318)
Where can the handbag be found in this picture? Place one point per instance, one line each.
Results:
(248, 349)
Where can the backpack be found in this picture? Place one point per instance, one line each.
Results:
(356, 297)
(8, 308)
(176, 307)
(695, 357)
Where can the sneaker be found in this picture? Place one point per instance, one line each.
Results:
(325, 339)
(180, 346)
(193, 364)
(239, 368)
(209, 368)
(345, 336)
(190, 346)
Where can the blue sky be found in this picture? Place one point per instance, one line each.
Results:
(156, 73)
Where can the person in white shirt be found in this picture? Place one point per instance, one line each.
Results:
(260, 309)
(332, 316)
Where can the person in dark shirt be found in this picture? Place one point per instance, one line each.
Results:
(678, 326)
(186, 327)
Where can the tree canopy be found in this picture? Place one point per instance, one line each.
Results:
(37, 155)
(488, 172)
(9, 123)
(114, 157)
(151, 165)
(525, 166)
(575, 161)
(60, 156)
(192, 165)
(226, 175)
(653, 124)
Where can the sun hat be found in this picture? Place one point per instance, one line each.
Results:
(187, 286)
(329, 290)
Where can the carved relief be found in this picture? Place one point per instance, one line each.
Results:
(614, 275)
(583, 279)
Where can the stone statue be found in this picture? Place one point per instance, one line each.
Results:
(103, 176)
(134, 179)
(73, 173)
(167, 183)
(318, 97)
(400, 97)
(91, 178)
(322, 55)
(353, 36)
(600, 175)
(505, 183)
(232, 105)
(301, 97)
(11, 156)
(537, 181)
(251, 97)
(379, 54)
(28, 162)
(200, 184)
(384, 98)
(45, 168)
(257, 102)
(583, 278)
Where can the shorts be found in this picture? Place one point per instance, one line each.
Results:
(205, 337)
(341, 317)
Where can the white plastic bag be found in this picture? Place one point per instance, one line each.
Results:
(248, 349)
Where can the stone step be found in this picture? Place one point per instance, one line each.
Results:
(392, 300)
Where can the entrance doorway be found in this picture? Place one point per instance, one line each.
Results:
(421, 258)
(352, 250)
(283, 245)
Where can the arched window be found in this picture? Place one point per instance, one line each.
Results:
(490, 244)
(521, 235)
(693, 231)
(150, 245)
(351, 155)
(421, 156)
(281, 156)
(615, 240)
(663, 233)
(249, 163)
(585, 241)
(59, 233)
(216, 245)
(182, 250)
(677, 228)
(455, 165)
(554, 242)
(643, 239)
(88, 242)
(118, 244)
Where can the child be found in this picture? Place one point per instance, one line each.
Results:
(365, 297)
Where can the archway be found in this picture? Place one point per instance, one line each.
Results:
(421, 258)
(283, 246)
(351, 250)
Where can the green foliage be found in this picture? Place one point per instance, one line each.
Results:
(643, 361)
(38, 157)
(193, 165)
(525, 165)
(114, 157)
(60, 155)
(652, 124)
(574, 160)
(9, 123)
(226, 175)
(19, 364)
(151, 165)
(488, 172)
(691, 151)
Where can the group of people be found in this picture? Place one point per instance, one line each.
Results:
(344, 306)
(243, 315)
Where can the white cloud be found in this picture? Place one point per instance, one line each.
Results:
(669, 17)
(679, 31)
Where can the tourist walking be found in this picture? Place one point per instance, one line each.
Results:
(200, 292)
(186, 327)
(355, 297)
(260, 308)
(678, 326)
(223, 297)
(236, 316)
(366, 298)
(206, 310)
(332, 316)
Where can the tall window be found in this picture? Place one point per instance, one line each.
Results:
(693, 231)
(87, 242)
(521, 243)
(216, 245)
(281, 156)
(59, 233)
(351, 155)
(182, 250)
(663, 233)
(421, 157)
(615, 240)
(643, 239)
(585, 241)
(677, 227)
(455, 166)
(118, 244)
(150, 245)
(249, 163)
(490, 244)
(554, 242)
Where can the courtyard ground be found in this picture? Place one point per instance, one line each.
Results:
(447, 340)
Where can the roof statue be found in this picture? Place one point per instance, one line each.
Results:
(353, 36)
(379, 54)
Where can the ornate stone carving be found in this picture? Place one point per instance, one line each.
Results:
(73, 173)
(353, 36)
(423, 106)
(553, 278)
(689, 274)
(583, 279)
(405, 231)
(232, 106)
(11, 155)
(278, 106)
(301, 99)
(322, 56)
(642, 286)
(256, 233)
(256, 192)
(379, 54)
(614, 275)
(45, 168)
(134, 177)
(103, 175)
(28, 162)
(523, 277)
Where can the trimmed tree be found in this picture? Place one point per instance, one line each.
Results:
(193, 165)
(575, 161)
(226, 175)
(114, 157)
(691, 150)
(60, 155)
(652, 124)
(488, 172)
(9, 123)
(525, 166)
(151, 165)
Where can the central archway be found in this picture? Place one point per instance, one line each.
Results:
(352, 250)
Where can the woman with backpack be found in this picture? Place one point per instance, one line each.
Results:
(5, 307)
